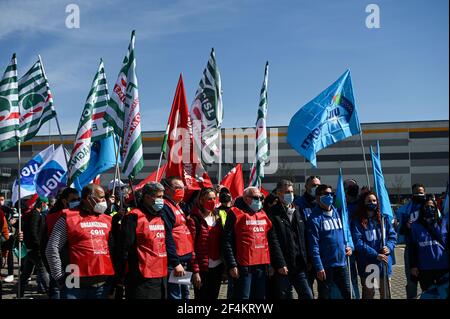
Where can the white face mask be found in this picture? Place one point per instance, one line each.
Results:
(100, 207)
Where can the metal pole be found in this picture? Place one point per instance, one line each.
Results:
(116, 168)
(19, 208)
(350, 276)
(365, 161)
(219, 173)
(387, 289)
(159, 166)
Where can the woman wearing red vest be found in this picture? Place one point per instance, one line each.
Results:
(86, 231)
(142, 246)
(245, 245)
(206, 229)
(175, 223)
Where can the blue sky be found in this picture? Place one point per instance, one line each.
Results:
(399, 71)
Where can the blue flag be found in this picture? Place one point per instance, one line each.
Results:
(27, 174)
(329, 118)
(102, 159)
(380, 186)
(53, 174)
(341, 204)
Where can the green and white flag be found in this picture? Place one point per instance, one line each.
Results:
(262, 146)
(35, 101)
(207, 112)
(92, 126)
(9, 107)
(124, 116)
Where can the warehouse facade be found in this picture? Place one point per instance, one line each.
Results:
(411, 152)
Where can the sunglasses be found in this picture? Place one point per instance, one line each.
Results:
(256, 197)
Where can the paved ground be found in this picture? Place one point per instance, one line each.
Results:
(397, 290)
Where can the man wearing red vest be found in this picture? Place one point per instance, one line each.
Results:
(175, 222)
(85, 232)
(245, 248)
(142, 244)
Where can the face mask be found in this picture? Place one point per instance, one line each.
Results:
(209, 205)
(327, 200)
(100, 207)
(288, 198)
(74, 204)
(371, 207)
(158, 205)
(419, 198)
(178, 195)
(2, 203)
(256, 205)
(312, 192)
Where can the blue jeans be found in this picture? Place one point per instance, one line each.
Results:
(53, 290)
(334, 290)
(92, 292)
(178, 292)
(299, 281)
(251, 283)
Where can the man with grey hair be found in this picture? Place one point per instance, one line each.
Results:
(288, 247)
(246, 245)
(143, 243)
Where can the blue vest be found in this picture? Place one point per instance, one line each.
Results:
(431, 255)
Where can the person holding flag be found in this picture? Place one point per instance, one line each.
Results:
(428, 246)
(367, 231)
(327, 245)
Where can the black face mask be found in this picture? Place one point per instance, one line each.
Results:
(419, 198)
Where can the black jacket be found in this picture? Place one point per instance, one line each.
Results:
(229, 239)
(288, 246)
(33, 228)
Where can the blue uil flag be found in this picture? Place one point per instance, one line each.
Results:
(53, 174)
(327, 119)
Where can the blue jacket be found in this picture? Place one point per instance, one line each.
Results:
(305, 204)
(368, 244)
(425, 252)
(326, 239)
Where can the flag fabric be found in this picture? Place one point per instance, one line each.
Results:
(445, 207)
(182, 160)
(152, 177)
(207, 113)
(330, 117)
(9, 107)
(340, 203)
(380, 186)
(27, 174)
(35, 101)
(102, 158)
(262, 145)
(91, 117)
(52, 175)
(234, 181)
(124, 116)
(97, 180)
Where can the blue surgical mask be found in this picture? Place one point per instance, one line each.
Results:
(74, 204)
(327, 200)
(158, 205)
(312, 192)
(288, 198)
(256, 205)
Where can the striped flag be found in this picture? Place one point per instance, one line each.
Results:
(262, 146)
(9, 107)
(207, 112)
(35, 101)
(92, 126)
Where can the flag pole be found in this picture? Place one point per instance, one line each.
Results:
(159, 165)
(116, 167)
(130, 181)
(19, 209)
(219, 173)
(387, 289)
(56, 114)
(365, 160)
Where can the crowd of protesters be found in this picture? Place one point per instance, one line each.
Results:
(136, 245)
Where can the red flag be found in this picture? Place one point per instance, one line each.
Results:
(152, 177)
(182, 160)
(234, 181)
(264, 191)
(96, 180)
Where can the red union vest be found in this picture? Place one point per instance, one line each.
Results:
(151, 245)
(215, 240)
(251, 237)
(87, 235)
(180, 232)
